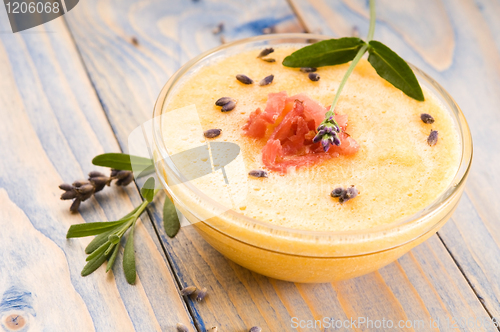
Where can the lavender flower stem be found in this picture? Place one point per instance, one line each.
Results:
(355, 61)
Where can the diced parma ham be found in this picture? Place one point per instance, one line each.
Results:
(294, 121)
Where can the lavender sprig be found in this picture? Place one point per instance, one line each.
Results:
(328, 133)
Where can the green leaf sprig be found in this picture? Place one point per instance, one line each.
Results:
(386, 62)
(105, 246)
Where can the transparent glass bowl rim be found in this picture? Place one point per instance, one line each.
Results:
(270, 229)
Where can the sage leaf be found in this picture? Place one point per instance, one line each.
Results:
(93, 265)
(112, 259)
(129, 258)
(325, 53)
(148, 190)
(124, 162)
(99, 251)
(170, 218)
(394, 70)
(92, 228)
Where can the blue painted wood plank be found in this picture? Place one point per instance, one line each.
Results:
(458, 45)
(128, 76)
(52, 125)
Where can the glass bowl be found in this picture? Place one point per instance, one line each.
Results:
(292, 254)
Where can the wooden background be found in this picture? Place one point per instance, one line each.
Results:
(77, 86)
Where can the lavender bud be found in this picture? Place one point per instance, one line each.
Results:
(337, 192)
(223, 101)
(96, 174)
(211, 133)
(317, 138)
(122, 174)
(76, 204)
(348, 194)
(336, 140)
(266, 80)
(314, 77)
(229, 106)
(265, 52)
(427, 118)
(255, 329)
(80, 183)
(114, 172)
(244, 79)
(201, 294)
(321, 127)
(308, 69)
(125, 181)
(85, 189)
(326, 144)
(181, 328)
(433, 138)
(99, 182)
(188, 290)
(270, 60)
(70, 194)
(66, 187)
(258, 173)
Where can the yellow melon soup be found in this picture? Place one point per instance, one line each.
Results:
(287, 225)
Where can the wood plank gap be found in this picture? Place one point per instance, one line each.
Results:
(299, 16)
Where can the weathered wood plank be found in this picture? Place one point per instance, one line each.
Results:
(52, 125)
(423, 285)
(457, 43)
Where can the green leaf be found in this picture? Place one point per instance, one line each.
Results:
(108, 251)
(113, 238)
(99, 251)
(148, 190)
(170, 218)
(394, 70)
(92, 228)
(93, 265)
(325, 53)
(124, 162)
(112, 259)
(129, 258)
(98, 241)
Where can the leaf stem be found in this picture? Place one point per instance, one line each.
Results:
(355, 61)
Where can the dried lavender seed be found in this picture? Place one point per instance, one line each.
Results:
(95, 174)
(223, 101)
(66, 187)
(218, 29)
(70, 194)
(271, 60)
(80, 183)
(211, 133)
(201, 294)
(337, 192)
(265, 52)
(182, 328)
(229, 106)
(255, 329)
(85, 189)
(258, 173)
(433, 137)
(188, 290)
(348, 194)
(314, 77)
(308, 69)
(266, 80)
(427, 118)
(244, 79)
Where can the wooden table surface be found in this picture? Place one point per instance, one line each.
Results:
(76, 87)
